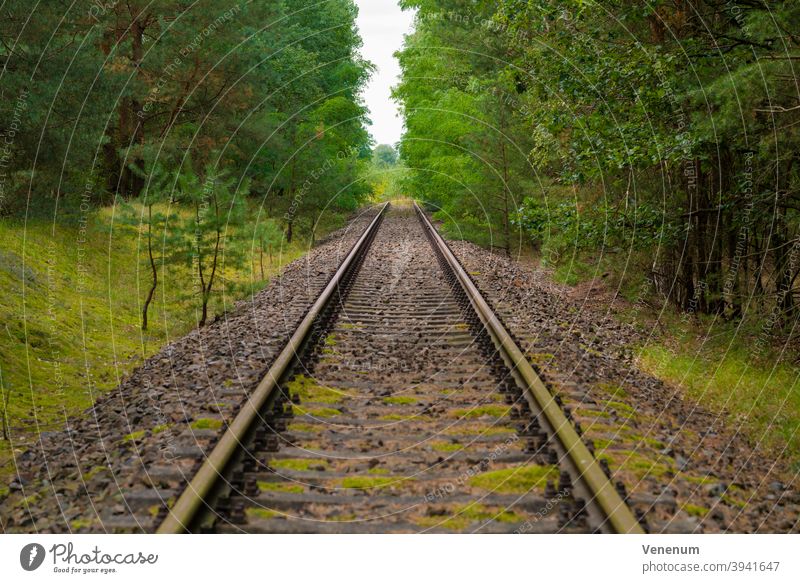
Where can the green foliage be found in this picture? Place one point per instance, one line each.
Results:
(80, 300)
(661, 124)
(384, 156)
(211, 236)
(466, 142)
(120, 91)
(386, 174)
(565, 226)
(763, 397)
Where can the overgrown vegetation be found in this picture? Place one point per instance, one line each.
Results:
(762, 396)
(158, 162)
(653, 143)
(68, 335)
(386, 173)
(614, 127)
(218, 109)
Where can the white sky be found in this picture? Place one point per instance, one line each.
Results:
(382, 25)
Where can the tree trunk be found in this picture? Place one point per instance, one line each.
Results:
(152, 266)
(4, 401)
(204, 315)
(261, 258)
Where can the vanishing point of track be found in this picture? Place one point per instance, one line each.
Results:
(401, 403)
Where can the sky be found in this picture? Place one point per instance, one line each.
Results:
(382, 25)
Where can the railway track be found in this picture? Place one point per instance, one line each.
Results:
(401, 404)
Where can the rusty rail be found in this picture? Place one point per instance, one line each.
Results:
(616, 514)
(182, 517)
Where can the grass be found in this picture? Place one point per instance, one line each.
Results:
(515, 480)
(70, 315)
(761, 397)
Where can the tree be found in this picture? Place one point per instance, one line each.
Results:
(384, 156)
(657, 122)
(148, 224)
(210, 236)
(266, 236)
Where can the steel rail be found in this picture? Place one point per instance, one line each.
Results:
(182, 515)
(617, 513)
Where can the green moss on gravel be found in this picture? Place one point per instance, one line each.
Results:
(206, 423)
(481, 430)
(80, 524)
(304, 427)
(612, 390)
(701, 480)
(695, 510)
(370, 482)
(261, 513)
(298, 464)
(309, 390)
(280, 487)
(402, 400)
(136, 435)
(621, 409)
(94, 471)
(396, 417)
(481, 411)
(447, 446)
(515, 480)
(461, 517)
(323, 412)
(348, 517)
